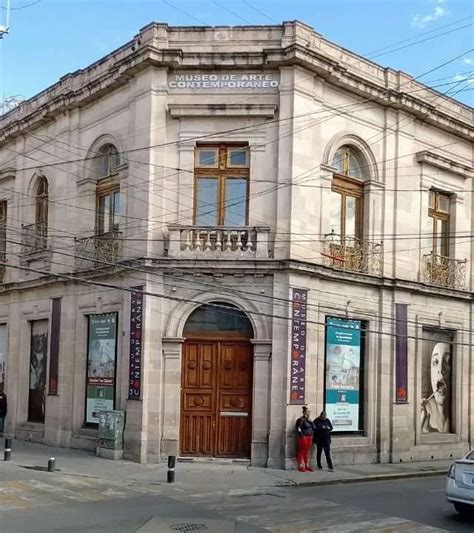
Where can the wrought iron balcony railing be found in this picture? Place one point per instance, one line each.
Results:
(444, 271)
(215, 242)
(100, 250)
(353, 255)
(34, 237)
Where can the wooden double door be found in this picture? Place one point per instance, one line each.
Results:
(216, 398)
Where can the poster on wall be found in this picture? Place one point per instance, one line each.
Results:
(3, 356)
(298, 346)
(436, 382)
(38, 364)
(343, 363)
(101, 359)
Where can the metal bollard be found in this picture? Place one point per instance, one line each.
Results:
(51, 464)
(171, 467)
(8, 449)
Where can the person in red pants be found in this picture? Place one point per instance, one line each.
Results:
(304, 440)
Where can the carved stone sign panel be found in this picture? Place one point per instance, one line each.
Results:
(214, 80)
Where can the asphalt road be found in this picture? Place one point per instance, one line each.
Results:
(410, 505)
(421, 500)
(112, 516)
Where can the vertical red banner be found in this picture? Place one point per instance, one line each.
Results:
(401, 353)
(136, 343)
(298, 346)
(54, 347)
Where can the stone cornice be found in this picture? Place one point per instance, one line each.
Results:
(454, 167)
(272, 47)
(7, 173)
(229, 267)
(227, 110)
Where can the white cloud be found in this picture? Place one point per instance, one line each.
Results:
(467, 61)
(420, 21)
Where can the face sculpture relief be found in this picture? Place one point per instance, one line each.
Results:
(435, 409)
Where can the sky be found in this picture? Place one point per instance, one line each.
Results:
(50, 38)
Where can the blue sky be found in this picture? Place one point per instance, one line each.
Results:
(54, 37)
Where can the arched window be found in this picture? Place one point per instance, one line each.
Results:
(108, 190)
(41, 216)
(348, 162)
(347, 194)
(219, 317)
(108, 160)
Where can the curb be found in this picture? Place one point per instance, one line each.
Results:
(376, 477)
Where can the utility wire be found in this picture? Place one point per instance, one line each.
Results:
(224, 308)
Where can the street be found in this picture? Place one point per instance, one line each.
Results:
(69, 503)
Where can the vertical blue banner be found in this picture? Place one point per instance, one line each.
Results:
(343, 361)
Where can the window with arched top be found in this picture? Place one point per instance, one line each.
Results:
(41, 216)
(108, 190)
(218, 317)
(347, 194)
(108, 160)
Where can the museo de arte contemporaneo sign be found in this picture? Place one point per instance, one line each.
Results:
(343, 365)
(182, 80)
(136, 344)
(299, 310)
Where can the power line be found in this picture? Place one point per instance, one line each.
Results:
(236, 15)
(124, 265)
(225, 308)
(260, 12)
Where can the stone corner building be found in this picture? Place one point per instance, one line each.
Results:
(212, 225)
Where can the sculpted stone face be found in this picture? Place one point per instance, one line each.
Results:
(441, 372)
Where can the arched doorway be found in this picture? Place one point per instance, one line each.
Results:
(216, 383)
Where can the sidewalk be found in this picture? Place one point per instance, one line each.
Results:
(201, 477)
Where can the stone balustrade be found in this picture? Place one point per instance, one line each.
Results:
(219, 242)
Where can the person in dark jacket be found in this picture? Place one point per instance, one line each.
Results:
(3, 411)
(304, 440)
(322, 438)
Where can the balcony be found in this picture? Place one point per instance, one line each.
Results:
(34, 238)
(97, 251)
(444, 271)
(219, 242)
(353, 255)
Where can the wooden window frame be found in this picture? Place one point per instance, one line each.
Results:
(109, 153)
(350, 187)
(222, 172)
(42, 201)
(106, 187)
(435, 214)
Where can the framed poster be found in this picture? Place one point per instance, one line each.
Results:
(101, 365)
(436, 400)
(343, 373)
(38, 364)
